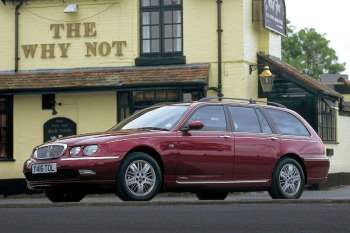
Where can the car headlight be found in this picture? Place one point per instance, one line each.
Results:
(75, 151)
(90, 150)
(35, 154)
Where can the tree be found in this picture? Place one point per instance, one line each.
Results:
(309, 51)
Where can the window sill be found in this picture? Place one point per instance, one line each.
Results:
(7, 160)
(154, 61)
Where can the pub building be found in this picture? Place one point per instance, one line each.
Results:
(81, 66)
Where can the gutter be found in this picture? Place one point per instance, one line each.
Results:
(17, 14)
(219, 31)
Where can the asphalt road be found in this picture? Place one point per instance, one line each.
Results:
(241, 218)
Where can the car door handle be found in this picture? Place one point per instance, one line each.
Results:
(225, 137)
(273, 138)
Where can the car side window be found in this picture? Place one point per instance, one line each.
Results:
(287, 123)
(212, 117)
(244, 120)
(263, 122)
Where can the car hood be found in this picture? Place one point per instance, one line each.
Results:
(103, 137)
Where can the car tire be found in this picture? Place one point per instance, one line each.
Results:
(139, 178)
(288, 180)
(56, 195)
(209, 196)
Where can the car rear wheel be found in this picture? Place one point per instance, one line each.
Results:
(56, 195)
(139, 178)
(207, 196)
(288, 180)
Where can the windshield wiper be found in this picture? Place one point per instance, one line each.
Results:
(154, 128)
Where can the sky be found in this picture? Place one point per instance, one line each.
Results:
(327, 17)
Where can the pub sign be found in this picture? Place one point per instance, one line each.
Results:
(274, 16)
(58, 128)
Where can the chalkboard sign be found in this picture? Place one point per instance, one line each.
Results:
(58, 128)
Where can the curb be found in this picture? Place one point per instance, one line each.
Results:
(175, 203)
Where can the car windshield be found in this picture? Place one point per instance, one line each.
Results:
(161, 118)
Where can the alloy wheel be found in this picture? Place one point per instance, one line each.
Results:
(290, 179)
(140, 178)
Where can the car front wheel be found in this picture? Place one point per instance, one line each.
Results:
(288, 180)
(139, 178)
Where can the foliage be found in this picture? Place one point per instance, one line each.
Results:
(310, 51)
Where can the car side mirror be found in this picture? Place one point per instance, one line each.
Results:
(194, 125)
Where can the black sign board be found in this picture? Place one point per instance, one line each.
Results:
(274, 13)
(59, 127)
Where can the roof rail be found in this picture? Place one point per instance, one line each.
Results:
(250, 101)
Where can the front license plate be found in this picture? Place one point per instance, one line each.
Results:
(44, 168)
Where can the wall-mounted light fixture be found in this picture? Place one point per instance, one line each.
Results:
(71, 8)
(266, 72)
(266, 77)
(49, 103)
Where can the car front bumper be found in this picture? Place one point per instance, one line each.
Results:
(73, 171)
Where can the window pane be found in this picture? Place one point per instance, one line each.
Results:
(146, 46)
(264, 125)
(148, 3)
(155, 32)
(155, 18)
(168, 45)
(146, 18)
(154, 2)
(177, 30)
(4, 129)
(155, 46)
(178, 45)
(245, 120)
(172, 2)
(327, 122)
(168, 31)
(213, 118)
(177, 17)
(168, 19)
(2, 106)
(146, 32)
(287, 123)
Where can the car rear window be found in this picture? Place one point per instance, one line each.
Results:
(245, 120)
(288, 124)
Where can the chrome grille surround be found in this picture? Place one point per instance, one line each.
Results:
(50, 151)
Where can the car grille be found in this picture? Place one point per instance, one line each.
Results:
(53, 151)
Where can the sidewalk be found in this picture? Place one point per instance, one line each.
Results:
(338, 193)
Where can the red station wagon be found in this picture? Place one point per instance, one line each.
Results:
(210, 148)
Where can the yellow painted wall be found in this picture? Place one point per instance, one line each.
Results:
(90, 111)
(347, 98)
(340, 162)
(7, 37)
